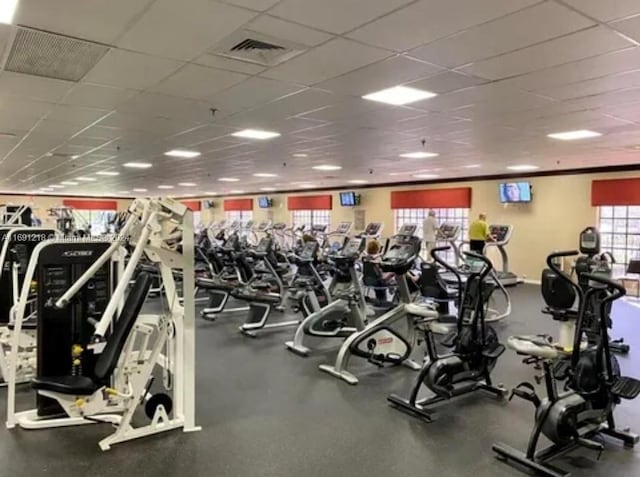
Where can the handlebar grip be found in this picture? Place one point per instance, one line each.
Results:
(441, 249)
(606, 281)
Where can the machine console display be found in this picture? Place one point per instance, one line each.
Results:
(343, 228)
(309, 251)
(373, 229)
(279, 226)
(408, 230)
(264, 246)
(502, 233)
(319, 228)
(449, 232)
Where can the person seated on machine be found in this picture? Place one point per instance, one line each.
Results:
(373, 276)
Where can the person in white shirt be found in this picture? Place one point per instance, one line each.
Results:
(430, 232)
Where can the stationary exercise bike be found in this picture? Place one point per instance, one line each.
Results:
(475, 346)
(593, 384)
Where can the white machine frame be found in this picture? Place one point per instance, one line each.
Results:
(149, 225)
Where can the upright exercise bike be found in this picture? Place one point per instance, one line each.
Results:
(593, 384)
(475, 346)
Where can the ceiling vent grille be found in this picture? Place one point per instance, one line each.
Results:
(50, 55)
(257, 48)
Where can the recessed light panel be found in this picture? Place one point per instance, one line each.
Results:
(523, 168)
(419, 155)
(182, 153)
(137, 165)
(256, 134)
(228, 179)
(574, 135)
(327, 167)
(399, 95)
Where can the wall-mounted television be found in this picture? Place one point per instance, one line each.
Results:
(348, 199)
(515, 192)
(264, 202)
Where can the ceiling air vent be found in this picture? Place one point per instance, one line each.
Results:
(257, 48)
(50, 55)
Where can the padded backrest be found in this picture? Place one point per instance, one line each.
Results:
(634, 266)
(108, 360)
(557, 292)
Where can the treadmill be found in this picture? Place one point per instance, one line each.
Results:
(448, 234)
(502, 234)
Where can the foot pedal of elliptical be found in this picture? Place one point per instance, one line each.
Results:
(626, 388)
(450, 340)
(495, 352)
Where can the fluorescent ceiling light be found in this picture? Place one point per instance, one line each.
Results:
(399, 95)
(75, 156)
(256, 134)
(56, 186)
(139, 190)
(236, 192)
(307, 186)
(264, 174)
(137, 165)
(187, 184)
(299, 154)
(183, 153)
(71, 183)
(228, 179)
(108, 173)
(573, 135)
(357, 181)
(165, 187)
(7, 10)
(472, 166)
(523, 167)
(211, 193)
(85, 179)
(419, 155)
(426, 176)
(123, 192)
(326, 167)
(267, 189)
(188, 195)
(46, 189)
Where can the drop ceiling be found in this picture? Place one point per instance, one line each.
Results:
(507, 74)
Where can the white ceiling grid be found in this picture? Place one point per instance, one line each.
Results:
(507, 73)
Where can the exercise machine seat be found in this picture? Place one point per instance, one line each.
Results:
(108, 360)
(214, 284)
(252, 297)
(148, 268)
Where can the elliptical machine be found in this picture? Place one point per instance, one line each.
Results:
(595, 261)
(593, 386)
(475, 346)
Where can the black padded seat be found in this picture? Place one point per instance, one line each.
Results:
(214, 284)
(80, 385)
(256, 297)
(148, 268)
(108, 359)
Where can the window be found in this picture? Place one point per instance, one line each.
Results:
(310, 217)
(620, 234)
(96, 220)
(449, 215)
(243, 216)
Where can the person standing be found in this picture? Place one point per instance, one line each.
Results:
(430, 232)
(479, 233)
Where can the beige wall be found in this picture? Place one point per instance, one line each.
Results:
(40, 204)
(560, 209)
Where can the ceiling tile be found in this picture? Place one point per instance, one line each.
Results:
(251, 93)
(126, 69)
(183, 29)
(223, 63)
(532, 25)
(33, 87)
(428, 20)
(332, 59)
(198, 82)
(284, 30)
(161, 105)
(76, 115)
(606, 10)
(447, 82)
(95, 96)
(335, 16)
(384, 74)
(594, 86)
(591, 42)
(261, 5)
(630, 27)
(156, 125)
(98, 20)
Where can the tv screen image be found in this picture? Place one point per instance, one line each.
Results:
(347, 199)
(515, 192)
(264, 202)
